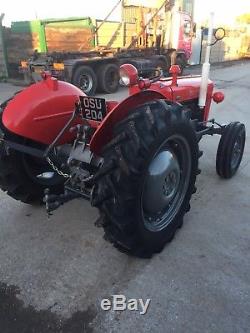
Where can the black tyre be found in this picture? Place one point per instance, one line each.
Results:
(85, 78)
(148, 176)
(24, 177)
(181, 61)
(230, 149)
(162, 65)
(108, 78)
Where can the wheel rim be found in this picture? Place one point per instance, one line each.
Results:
(166, 183)
(237, 151)
(86, 83)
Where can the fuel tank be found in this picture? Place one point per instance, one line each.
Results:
(40, 111)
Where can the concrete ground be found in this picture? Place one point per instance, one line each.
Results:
(55, 272)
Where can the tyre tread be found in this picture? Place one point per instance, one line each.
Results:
(117, 205)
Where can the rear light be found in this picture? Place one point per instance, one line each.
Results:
(24, 64)
(128, 75)
(58, 66)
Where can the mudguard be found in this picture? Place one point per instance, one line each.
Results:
(104, 132)
(40, 111)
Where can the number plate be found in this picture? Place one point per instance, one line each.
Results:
(93, 108)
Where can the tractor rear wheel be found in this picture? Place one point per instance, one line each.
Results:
(24, 177)
(230, 149)
(148, 176)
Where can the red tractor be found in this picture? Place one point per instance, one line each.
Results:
(136, 160)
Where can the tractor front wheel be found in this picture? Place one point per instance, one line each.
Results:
(230, 149)
(148, 176)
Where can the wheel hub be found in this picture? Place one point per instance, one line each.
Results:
(236, 152)
(169, 185)
(166, 183)
(162, 182)
(86, 83)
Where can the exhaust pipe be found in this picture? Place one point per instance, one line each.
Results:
(206, 66)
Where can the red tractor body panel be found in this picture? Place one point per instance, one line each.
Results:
(40, 111)
(186, 89)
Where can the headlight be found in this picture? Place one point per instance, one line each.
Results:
(128, 75)
(124, 79)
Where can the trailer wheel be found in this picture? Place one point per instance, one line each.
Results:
(181, 61)
(230, 149)
(108, 78)
(162, 65)
(85, 79)
(148, 176)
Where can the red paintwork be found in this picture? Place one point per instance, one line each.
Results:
(144, 83)
(40, 111)
(174, 70)
(130, 71)
(187, 89)
(111, 105)
(185, 41)
(218, 97)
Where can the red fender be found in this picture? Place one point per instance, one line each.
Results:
(104, 133)
(40, 111)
